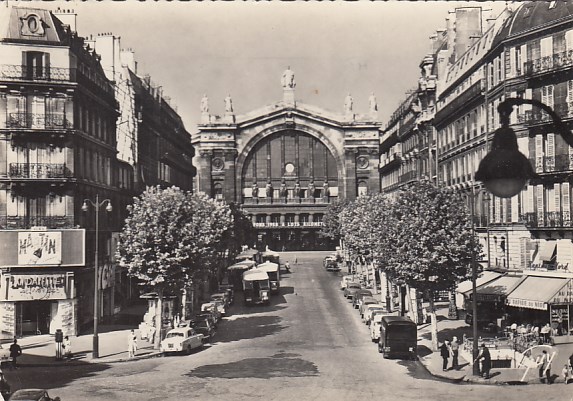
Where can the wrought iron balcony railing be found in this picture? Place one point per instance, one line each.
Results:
(27, 222)
(39, 170)
(285, 201)
(20, 72)
(38, 121)
(549, 63)
(546, 219)
(552, 164)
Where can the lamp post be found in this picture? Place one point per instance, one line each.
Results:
(471, 195)
(97, 204)
(505, 170)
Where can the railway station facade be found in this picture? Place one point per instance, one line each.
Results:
(283, 164)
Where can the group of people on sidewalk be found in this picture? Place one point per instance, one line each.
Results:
(451, 349)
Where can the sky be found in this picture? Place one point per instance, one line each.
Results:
(242, 48)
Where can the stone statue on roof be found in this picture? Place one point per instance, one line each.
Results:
(204, 104)
(287, 80)
(348, 103)
(372, 103)
(228, 104)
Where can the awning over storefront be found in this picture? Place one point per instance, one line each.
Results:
(483, 278)
(497, 289)
(545, 252)
(536, 292)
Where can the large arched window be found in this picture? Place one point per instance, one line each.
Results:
(291, 156)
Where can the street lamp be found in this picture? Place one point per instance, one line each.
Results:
(505, 170)
(97, 204)
(471, 195)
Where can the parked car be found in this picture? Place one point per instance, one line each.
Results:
(228, 288)
(365, 301)
(398, 337)
(345, 280)
(4, 355)
(181, 339)
(221, 296)
(221, 307)
(208, 316)
(205, 327)
(350, 289)
(362, 292)
(213, 308)
(375, 327)
(368, 311)
(32, 394)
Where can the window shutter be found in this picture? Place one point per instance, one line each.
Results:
(512, 66)
(24, 64)
(569, 40)
(550, 159)
(540, 206)
(538, 153)
(566, 204)
(514, 208)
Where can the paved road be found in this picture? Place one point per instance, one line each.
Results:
(308, 345)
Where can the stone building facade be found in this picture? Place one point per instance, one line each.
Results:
(284, 163)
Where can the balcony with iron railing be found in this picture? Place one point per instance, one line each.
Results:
(288, 201)
(38, 171)
(552, 164)
(38, 121)
(564, 110)
(549, 63)
(34, 73)
(546, 219)
(27, 222)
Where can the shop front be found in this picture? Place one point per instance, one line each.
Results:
(539, 300)
(33, 303)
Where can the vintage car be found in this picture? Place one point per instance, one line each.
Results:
(351, 288)
(365, 301)
(32, 394)
(221, 296)
(181, 339)
(358, 295)
(211, 307)
(229, 289)
(369, 310)
(204, 326)
(345, 280)
(4, 354)
(375, 327)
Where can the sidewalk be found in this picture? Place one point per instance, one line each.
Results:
(432, 361)
(40, 350)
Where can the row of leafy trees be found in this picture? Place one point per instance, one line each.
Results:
(422, 237)
(172, 238)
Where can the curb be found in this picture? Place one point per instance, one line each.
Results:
(90, 361)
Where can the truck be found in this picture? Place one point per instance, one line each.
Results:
(256, 287)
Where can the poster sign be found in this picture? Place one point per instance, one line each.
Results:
(28, 287)
(39, 248)
(106, 276)
(527, 303)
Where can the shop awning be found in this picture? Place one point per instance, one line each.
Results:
(483, 278)
(536, 292)
(545, 252)
(497, 289)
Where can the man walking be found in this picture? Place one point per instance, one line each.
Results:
(545, 367)
(15, 352)
(485, 357)
(455, 347)
(445, 354)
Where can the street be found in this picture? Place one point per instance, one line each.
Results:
(309, 344)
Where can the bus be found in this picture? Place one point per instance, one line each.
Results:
(256, 287)
(398, 337)
(274, 274)
(235, 273)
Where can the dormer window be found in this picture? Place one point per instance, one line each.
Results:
(32, 25)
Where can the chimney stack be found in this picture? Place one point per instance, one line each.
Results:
(68, 17)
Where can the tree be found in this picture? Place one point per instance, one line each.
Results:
(433, 242)
(169, 237)
(331, 220)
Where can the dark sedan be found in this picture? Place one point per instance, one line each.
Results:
(358, 295)
(32, 394)
(205, 327)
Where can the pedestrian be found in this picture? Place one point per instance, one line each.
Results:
(15, 352)
(445, 354)
(545, 367)
(485, 358)
(566, 373)
(67, 346)
(295, 260)
(131, 344)
(455, 348)
(287, 266)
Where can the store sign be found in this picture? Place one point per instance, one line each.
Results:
(39, 248)
(27, 248)
(28, 287)
(527, 303)
(106, 276)
(565, 294)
